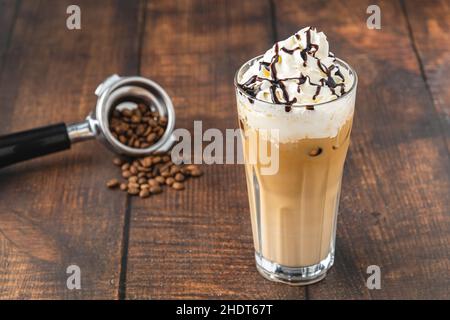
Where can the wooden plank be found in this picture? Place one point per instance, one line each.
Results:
(56, 211)
(197, 243)
(395, 200)
(429, 22)
(8, 10)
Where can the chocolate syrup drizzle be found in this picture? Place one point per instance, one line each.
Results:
(311, 49)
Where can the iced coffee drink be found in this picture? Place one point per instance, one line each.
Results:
(297, 101)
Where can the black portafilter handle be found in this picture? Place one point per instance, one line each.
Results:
(21, 146)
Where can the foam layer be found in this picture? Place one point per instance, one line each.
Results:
(300, 123)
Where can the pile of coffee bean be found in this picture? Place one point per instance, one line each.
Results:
(139, 127)
(146, 176)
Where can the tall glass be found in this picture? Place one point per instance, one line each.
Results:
(294, 208)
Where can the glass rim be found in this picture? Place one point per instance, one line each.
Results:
(303, 105)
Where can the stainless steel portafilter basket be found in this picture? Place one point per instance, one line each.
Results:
(113, 92)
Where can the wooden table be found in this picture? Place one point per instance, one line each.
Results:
(55, 211)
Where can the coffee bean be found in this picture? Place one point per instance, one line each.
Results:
(163, 121)
(195, 172)
(170, 181)
(160, 179)
(124, 127)
(133, 170)
(179, 177)
(147, 162)
(139, 127)
(153, 183)
(155, 189)
(135, 119)
(178, 185)
(126, 174)
(165, 174)
(133, 185)
(165, 167)
(127, 113)
(118, 161)
(152, 137)
(191, 167)
(140, 130)
(148, 174)
(143, 169)
(156, 160)
(133, 191)
(133, 179)
(117, 130)
(147, 131)
(123, 139)
(144, 193)
(113, 183)
(135, 163)
(174, 170)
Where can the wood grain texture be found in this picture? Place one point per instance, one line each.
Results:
(197, 243)
(395, 201)
(429, 23)
(8, 10)
(55, 211)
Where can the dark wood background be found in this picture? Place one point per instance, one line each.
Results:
(55, 211)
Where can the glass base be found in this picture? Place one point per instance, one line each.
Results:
(296, 276)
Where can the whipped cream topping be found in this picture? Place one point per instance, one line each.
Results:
(297, 71)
